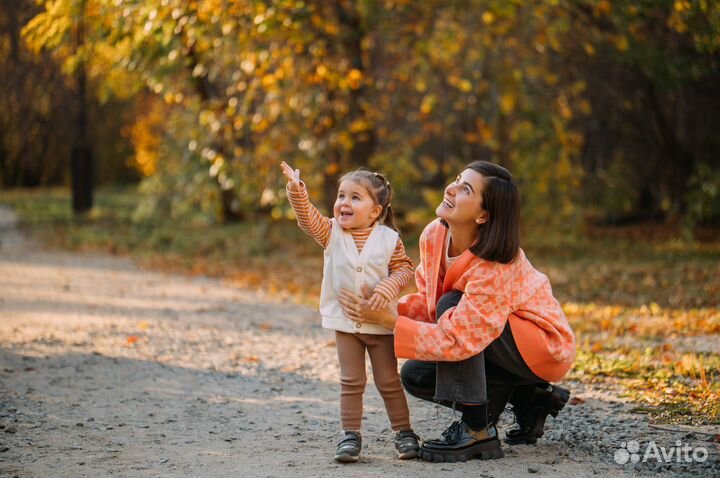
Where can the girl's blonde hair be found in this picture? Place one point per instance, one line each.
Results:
(379, 189)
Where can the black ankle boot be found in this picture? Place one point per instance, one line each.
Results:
(530, 416)
(461, 443)
(498, 396)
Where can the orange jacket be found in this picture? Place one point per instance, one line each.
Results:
(493, 293)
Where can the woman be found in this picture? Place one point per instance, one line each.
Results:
(483, 328)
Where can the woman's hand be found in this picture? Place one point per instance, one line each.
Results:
(358, 309)
(377, 301)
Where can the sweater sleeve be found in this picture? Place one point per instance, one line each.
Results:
(308, 217)
(461, 332)
(414, 306)
(401, 273)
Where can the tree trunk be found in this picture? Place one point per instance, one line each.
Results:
(81, 160)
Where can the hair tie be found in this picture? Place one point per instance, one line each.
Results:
(379, 176)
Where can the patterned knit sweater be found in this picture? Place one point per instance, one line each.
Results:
(493, 293)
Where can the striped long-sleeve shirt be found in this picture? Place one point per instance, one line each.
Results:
(319, 227)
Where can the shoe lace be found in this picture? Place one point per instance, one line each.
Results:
(454, 432)
(510, 409)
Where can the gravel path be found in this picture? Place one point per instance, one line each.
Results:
(110, 370)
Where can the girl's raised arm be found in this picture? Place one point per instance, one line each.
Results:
(292, 175)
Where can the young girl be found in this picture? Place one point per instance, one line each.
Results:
(362, 252)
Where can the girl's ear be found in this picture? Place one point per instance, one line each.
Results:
(482, 218)
(375, 212)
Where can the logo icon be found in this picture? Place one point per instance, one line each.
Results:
(627, 452)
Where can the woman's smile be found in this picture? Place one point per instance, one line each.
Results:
(462, 201)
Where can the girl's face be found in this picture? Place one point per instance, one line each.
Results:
(462, 203)
(354, 207)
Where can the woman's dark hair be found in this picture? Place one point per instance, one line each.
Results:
(499, 237)
(379, 189)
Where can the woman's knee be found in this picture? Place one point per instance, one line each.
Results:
(418, 378)
(447, 301)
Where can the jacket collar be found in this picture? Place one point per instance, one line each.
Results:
(453, 273)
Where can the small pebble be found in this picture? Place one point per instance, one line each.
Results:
(533, 468)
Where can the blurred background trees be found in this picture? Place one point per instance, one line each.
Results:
(604, 110)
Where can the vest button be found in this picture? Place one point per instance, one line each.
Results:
(359, 269)
(358, 325)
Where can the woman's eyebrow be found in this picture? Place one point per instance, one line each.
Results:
(469, 185)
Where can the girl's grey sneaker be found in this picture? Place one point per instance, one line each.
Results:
(406, 444)
(348, 449)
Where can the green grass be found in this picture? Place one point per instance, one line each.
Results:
(624, 294)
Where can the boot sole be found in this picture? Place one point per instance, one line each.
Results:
(559, 398)
(409, 455)
(488, 450)
(346, 458)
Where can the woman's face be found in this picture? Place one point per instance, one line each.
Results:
(462, 203)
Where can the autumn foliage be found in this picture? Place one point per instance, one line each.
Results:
(603, 109)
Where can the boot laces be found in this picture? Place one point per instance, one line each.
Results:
(454, 432)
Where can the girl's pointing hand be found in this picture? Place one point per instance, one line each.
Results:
(292, 175)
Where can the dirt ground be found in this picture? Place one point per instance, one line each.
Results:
(107, 369)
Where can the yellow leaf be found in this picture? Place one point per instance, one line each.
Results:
(485, 131)
(427, 105)
(331, 169)
(507, 102)
(465, 86)
(621, 43)
(354, 78)
(269, 81)
(603, 7)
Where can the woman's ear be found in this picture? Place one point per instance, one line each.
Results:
(482, 218)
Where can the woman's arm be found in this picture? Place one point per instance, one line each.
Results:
(357, 308)
(460, 333)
